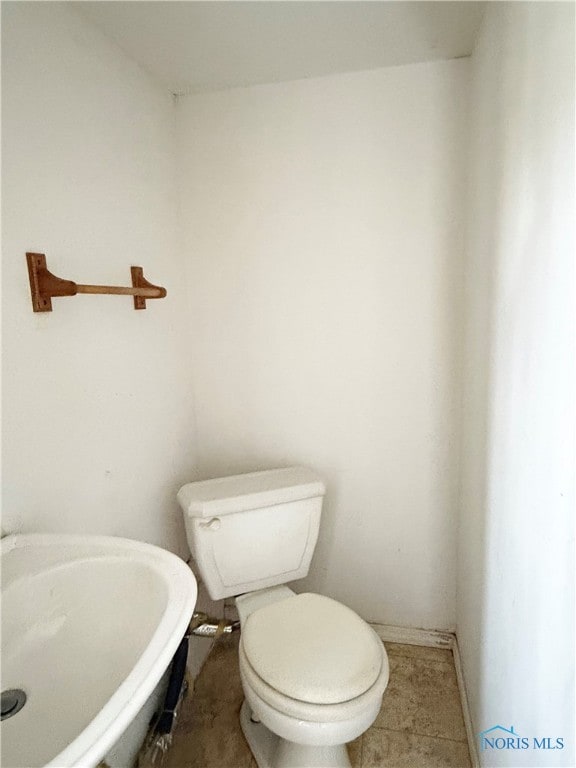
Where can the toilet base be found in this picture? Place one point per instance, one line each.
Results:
(271, 751)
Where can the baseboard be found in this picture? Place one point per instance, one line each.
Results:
(410, 636)
(465, 707)
(435, 639)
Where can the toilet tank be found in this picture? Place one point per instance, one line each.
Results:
(252, 531)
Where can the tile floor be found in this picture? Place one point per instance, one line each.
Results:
(420, 724)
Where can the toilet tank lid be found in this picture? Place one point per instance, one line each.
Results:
(225, 495)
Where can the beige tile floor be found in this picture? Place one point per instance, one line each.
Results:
(420, 724)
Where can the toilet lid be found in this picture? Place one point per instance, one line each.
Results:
(312, 649)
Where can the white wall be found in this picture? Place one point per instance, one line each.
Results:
(98, 431)
(322, 228)
(516, 576)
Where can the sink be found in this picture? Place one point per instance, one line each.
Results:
(89, 627)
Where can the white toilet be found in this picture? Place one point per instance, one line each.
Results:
(313, 672)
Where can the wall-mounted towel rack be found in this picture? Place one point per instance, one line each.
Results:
(44, 286)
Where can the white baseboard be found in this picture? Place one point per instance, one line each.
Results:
(435, 639)
(465, 708)
(410, 636)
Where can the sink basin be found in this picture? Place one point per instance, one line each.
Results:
(89, 627)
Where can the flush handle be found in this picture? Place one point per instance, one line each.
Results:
(212, 525)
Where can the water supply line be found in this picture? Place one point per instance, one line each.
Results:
(203, 625)
(159, 738)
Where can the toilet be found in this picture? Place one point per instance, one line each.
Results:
(313, 672)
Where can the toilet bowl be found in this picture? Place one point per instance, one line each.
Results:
(313, 672)
(331, 669)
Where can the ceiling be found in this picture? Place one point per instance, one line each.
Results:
(191, 47)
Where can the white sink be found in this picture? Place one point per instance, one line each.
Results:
(89, 627)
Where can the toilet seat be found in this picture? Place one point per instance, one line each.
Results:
(312, 649)
(309, 712)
